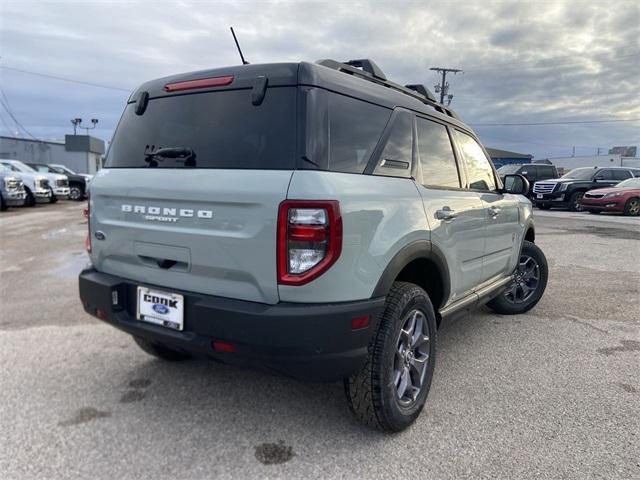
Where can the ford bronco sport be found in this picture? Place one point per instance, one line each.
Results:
(316, 220)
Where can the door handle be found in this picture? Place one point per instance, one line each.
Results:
(494, 211)
(445, 214)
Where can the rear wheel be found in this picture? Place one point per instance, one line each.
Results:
(389, 391)
(29, 200)
(160, 351)
(632, 207)
(530, 281)
(575, 203)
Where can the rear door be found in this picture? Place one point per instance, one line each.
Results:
(501, 215)
(204, 221)
(455, 215)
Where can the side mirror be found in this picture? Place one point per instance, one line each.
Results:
(516, 184)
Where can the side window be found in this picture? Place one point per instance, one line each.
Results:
(621, 174)
(604, 175)
(395, 159)
(546, 172)
(479, 171)
(437, 162)
(354, 130)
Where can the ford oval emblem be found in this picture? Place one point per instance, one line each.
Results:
(100, 235)
(161, 309)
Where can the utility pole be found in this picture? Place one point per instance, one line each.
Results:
(443, 88)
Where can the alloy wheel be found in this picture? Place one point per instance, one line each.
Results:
(634, 207)
(411, 358)
(577, 203)
(526, 280)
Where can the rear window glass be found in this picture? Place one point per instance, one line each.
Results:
(354, 130)
(397, 155)
(223, 129)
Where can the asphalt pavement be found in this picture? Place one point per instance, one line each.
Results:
(551, 394)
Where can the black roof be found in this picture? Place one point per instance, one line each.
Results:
(383, 93)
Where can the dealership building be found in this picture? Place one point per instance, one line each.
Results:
(81, 153)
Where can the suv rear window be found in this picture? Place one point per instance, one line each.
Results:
(354, 130)
(224, 129)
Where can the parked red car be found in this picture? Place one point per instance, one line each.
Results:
(624, 198)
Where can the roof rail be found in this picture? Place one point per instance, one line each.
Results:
(370, 71)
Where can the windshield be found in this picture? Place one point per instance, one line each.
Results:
(62, 169)
(19, 167)
(208, 130)
(629, 183)
(41, 168)
(507, 169)
(580, 174)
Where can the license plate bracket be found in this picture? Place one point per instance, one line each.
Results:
(160, 308)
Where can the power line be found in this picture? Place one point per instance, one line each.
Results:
(65, 79)
(568, 122)
(13, 117)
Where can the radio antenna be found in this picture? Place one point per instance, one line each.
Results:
(244, 62)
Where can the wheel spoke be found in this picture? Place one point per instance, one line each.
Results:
(419, 369)
(404, 382)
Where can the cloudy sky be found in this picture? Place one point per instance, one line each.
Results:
(524, 62)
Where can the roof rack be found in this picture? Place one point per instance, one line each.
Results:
(368, 70)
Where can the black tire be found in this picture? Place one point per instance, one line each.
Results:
(504, 303)
(76, 192)
(160, 351)
(53, 198)
(632, 207)
(543, 206)
(372, 393)
(575, 204)
(594, 212)
(3, 206)
(29, 200)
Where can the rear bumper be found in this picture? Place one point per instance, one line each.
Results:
(311, 342)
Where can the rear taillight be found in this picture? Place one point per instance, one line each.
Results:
(309, 239)
(87, 214)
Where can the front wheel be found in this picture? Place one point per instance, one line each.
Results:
(3, 206)
(529, 283)
(632, 207)
(389, 391)
(30, 200)
(76, 193)
(575, 203)
(53, 198)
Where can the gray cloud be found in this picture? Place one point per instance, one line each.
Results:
(523, 61)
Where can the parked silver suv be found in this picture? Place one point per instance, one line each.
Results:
(316, 220)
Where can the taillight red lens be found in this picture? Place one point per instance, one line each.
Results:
(87, 214)
(309, 239)
(199, 83)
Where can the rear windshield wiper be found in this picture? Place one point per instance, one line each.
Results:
(186, 155)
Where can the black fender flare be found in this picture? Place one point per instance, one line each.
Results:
(414, 251)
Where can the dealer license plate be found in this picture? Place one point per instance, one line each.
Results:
(539, 195)
(161, 308)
